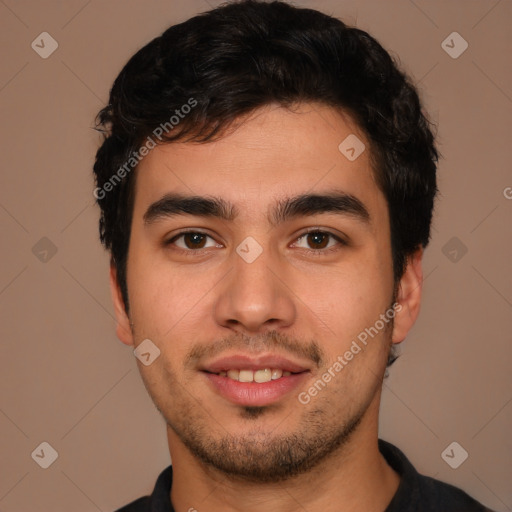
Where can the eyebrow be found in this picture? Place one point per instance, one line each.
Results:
(303, 205)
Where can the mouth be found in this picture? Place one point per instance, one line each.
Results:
(260, 381)
(259, 376)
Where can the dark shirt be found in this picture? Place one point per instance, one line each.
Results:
(416, 493)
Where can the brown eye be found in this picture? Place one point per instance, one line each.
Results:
(192, 240)
(319, 241)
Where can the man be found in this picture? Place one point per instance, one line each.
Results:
(266, 186)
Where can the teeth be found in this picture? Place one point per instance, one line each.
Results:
(264, 375)
(277, 374)
(246, 376)
(233, 374)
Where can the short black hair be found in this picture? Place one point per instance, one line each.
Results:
(199, 76)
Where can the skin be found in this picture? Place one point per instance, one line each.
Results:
(217, 301)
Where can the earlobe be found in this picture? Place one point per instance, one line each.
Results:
(408, 297)
(123, 327)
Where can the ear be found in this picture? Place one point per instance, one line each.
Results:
(408, 297)
(123, 328)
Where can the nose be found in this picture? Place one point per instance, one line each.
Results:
(255, 297)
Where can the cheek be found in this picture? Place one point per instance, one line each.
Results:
(165, 298)
(347, 304)
(348, 298)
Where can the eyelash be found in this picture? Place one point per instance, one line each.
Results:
(315, 252)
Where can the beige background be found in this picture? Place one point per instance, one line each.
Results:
(65, 379)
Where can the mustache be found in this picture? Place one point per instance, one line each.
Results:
(271, 341)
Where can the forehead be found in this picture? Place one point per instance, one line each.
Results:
(272, 153)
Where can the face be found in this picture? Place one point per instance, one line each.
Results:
(259, 289)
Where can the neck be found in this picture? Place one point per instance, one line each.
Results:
(356, 477)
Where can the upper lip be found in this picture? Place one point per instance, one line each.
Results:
(245, 362)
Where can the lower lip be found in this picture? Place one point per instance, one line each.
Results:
(253, 393)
